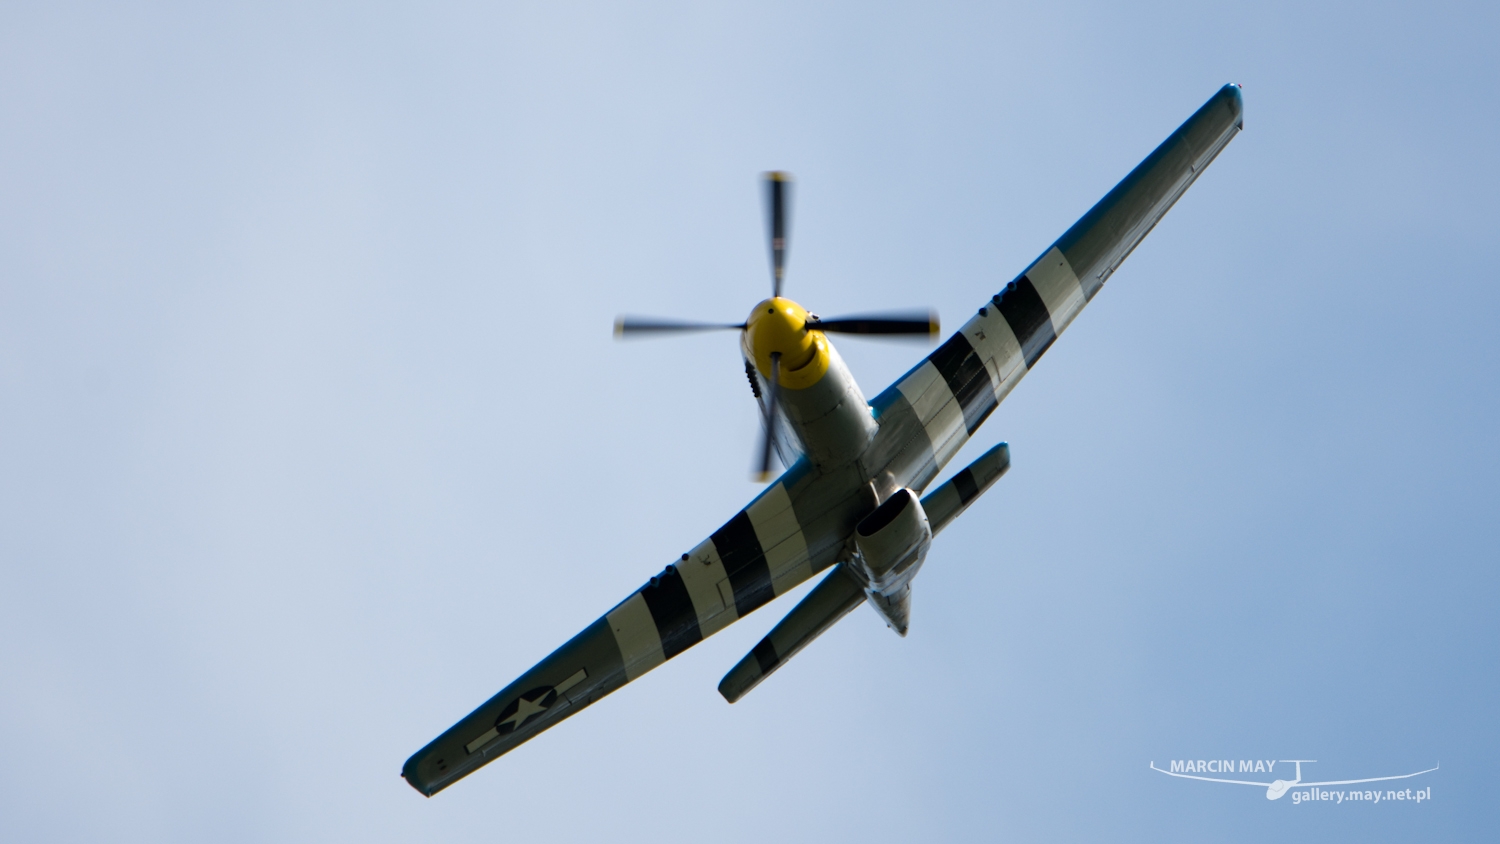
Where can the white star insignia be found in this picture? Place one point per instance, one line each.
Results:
(524, 709)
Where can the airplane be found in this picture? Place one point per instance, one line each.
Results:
(851, 503)
(1277, 788)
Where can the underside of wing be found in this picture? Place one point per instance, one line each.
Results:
(956, 388)
(794, 529)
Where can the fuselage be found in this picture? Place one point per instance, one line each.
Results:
(817, 394)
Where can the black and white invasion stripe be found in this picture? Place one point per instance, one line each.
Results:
(963, 381)
(757, 555)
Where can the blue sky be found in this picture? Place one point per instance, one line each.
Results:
(313, 434)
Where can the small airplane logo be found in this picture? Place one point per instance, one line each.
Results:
(1276, 788)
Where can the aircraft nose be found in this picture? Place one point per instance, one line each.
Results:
(779, 325)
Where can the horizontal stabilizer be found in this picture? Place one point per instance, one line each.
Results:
(829, 601)
(945, 503)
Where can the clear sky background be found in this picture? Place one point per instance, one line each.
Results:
(313, 434)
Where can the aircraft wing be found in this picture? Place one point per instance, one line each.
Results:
(951, 393)
(795, 528)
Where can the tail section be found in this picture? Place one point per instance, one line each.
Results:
(843, 590)
(954, 496)
(829, 601)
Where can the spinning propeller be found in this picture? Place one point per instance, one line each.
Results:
(779, 328)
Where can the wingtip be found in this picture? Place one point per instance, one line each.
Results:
(729, 696)
(409, 773)
(1236, 97)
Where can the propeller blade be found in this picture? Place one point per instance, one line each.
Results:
(778, 194)
(628, 325)
(770, 435)
(909, 324)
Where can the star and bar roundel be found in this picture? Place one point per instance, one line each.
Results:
(524, 708)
